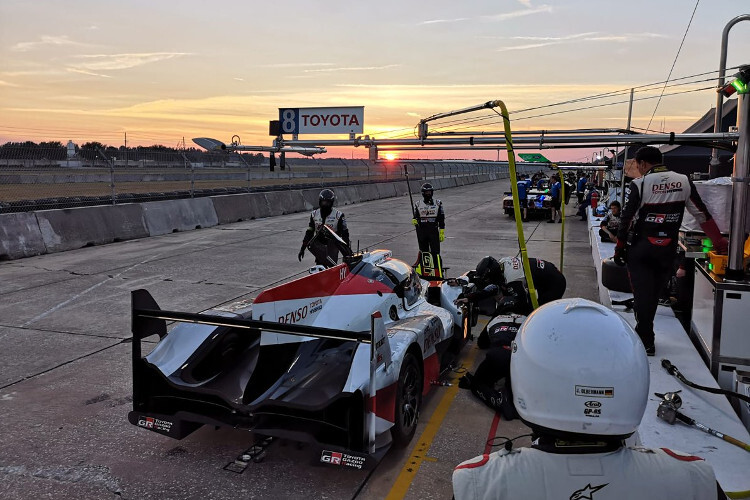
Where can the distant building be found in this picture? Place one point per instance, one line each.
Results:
(71, 150)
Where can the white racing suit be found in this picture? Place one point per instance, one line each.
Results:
(431, 220)
(326, 252)
(626, 473)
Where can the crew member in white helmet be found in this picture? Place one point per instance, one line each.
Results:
(580, 380)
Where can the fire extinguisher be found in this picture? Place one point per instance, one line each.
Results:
(594, 200)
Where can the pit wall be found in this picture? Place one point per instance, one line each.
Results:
(27, 234)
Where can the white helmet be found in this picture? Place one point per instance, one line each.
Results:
(578, 367)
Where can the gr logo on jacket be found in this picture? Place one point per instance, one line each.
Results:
(654, 205)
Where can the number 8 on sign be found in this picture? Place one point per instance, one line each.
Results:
(288, 120)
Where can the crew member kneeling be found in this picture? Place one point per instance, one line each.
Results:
(580, 380)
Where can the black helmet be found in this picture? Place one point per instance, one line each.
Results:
(427, 190)
(489, 269)
(326, 199)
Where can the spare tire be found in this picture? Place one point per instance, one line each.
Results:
(615, 277)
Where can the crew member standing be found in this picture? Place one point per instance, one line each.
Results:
(581, 187)
(647, 238)
(429, 219)
(523, 185)
(554, 192)
(324, 249)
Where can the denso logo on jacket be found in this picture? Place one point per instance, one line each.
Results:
(667, 187)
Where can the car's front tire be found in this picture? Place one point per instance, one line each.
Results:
(408, 401)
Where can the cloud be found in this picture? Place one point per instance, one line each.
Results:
(542, 9)
(239, 79)
(297, 65)
(104, 62)
(442, 21)
(525, 3)
(46, 41)
(352, 68)
(90, 73)
(547, 41)
(3, 83)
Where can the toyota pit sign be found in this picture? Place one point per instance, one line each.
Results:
(344, 120)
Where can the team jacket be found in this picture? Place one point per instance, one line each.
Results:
(335, 221)
(430, 214)
(654, 205)
(625, 473)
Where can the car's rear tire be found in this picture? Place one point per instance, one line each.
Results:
(408, 401)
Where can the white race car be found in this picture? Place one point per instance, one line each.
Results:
(341, 357)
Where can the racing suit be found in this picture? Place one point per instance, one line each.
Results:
(550, 284)
(650, 221)
(497, 336)
(542, 472)
(324, 249)
(431, 219)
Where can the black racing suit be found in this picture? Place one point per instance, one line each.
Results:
(430, 220)
(549, 282)
(650, 221)
(325, 251)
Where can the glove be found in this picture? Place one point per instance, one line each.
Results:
(415, 222)
(301, 253)
(442, 235)
(721, 245)
(621, 255)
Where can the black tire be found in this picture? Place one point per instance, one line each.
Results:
(615, 277)
(408, 401)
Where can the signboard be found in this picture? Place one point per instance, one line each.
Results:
(533, 157)
(344, 120)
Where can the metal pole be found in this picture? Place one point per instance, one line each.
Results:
(713, 166)
(625, 153)
(735, 268)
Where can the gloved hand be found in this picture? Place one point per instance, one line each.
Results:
(301, 253)
(506, 304)
(621, 255)
(415, 222)
(721, 245)
(442, 235)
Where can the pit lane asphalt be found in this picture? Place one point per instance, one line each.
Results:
(65, 375)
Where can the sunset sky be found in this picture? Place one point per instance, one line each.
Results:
(159, 71)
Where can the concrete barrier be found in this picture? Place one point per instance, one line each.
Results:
(232, 208)
(20, 236)
(311, 197)
(164, 217)
(28, 234)
(367, 192)
(259, 206)
(347, 195)
(386, 190)
(285, 202)
(73, 228)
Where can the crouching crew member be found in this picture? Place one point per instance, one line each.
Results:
(580, 380)
(325, 250)
(504, 280)
(429, 219)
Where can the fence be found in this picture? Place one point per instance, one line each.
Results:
(34, 178)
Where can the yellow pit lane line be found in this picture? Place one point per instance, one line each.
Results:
(419, 454)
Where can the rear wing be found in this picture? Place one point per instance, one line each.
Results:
(149, 319)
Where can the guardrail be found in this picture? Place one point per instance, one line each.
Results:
(35, 178)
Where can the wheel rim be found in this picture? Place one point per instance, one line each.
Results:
(410, 397)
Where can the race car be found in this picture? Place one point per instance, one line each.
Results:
(538, 200)
(340, 358)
